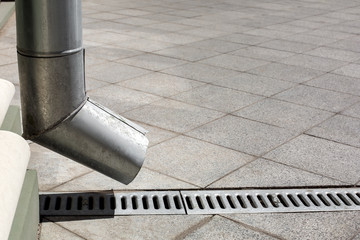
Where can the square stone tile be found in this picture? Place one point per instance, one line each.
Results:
(287, 28)
(105, 16)
(237, 63)
(145, 45)
(333, 53)
(242, 135)
(196, 162)
(187, 53)
(218, 98)
(310, 39)
(173, 115)
(109, 37)
(176, 38)
(161, 84)
(351, 70)
(161, 227)
(204, 32)
(216, 45)
(330, 34)
(53, 231)
(137, 21)
(244, 39)
(320, 156)
(152, 62)
(313, 62)
(270, 33)
(288, 46)
(220, 227)
(146, 179)
(254, 84)
(318, 98)
(308, 24)
(319, 225)
(283, 114)
(286, 72)
(120, 99)
(156, 135)
(52, 168)
(92, 84)
(347, 44)
(336, 82)
(262, 53)
(111, 53)
(263, 173)
(340, 129)
(353, 111)
(201, 72)
(114, 72)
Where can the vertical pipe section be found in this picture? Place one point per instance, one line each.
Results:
(55, 109)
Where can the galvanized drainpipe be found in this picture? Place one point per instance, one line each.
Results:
(56, 112)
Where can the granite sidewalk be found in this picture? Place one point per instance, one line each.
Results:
(234, 93)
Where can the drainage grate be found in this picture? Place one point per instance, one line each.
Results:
(199, 202)
(262, 201)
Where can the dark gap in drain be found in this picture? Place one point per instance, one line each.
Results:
(282, 200)
(231, 202)
(241, 201)
(112, 203)
(91, 203)
(343, 199)
(156, 202)
(47, 203)
(210, 203)
(252, 202)
(358, 194)
(134, 202)
(199, 202)
(313, 200)
(68, 203)
(353, 199)
(262, 201)
(272, 201)
(123, 203)
(303, 200)
(102, 203)
(323, 200)
(57, 203)
(166, 202)
(177, 202)
(188, 202)
(293, 200)
(333, 199)
(220, 201)
(79, 203)
(145, 202)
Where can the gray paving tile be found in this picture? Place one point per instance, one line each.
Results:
(317, 98)
(330, 34)
(287, 72)
(194, 161)
(120, 99)
(353, 111)
(152, 62)
(111, 53)
(170, 26)
(313, 62)
(287, 28)
(109, 37)
(320, 156)
(52, 168)
(187, 53)
(10, 73)
(52, 231)
(133, 227)
(92, 84)
(267, 33)
(218, 98)
(263, 173)
(204, 32)
(234, 62)
(308, 24)
(161, 84)
(173, 115)
(114, 72)
(201, 72)
(347, 44)
(216, 45)
(156, 135)
(145, 45)
(336, 82)
(262, 53)
(289, 46)
(351, 70)
(245, 39)
(283, 114)
(254, 84)
(339, 129)
(242, 135)
(105, 16)
(137, 21)
(176, 38)
(310, 39)
(146, 179)
(320, 225)
(333, 53)
(222, 228)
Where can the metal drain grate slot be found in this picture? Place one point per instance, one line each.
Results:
(261, 201)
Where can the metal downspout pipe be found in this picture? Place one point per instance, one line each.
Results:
(56, 112)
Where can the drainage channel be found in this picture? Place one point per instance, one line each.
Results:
(199, 202)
